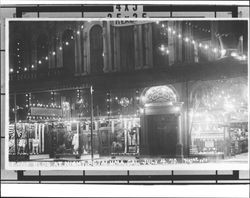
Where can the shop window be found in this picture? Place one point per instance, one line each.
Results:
(42, 52)
(68, 40)
(96, 49)
(218, 119)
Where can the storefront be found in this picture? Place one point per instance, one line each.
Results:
(154, 121)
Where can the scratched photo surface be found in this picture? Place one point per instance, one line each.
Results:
(148, 94)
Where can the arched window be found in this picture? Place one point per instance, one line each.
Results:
(68, 50)
(42, 53)
(96, 49)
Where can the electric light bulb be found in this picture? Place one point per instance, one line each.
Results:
(186, 39)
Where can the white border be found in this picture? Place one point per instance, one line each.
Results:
(201, 166)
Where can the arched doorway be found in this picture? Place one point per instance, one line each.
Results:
(161, 122)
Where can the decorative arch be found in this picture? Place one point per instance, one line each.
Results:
(96, 49)
(159, 94)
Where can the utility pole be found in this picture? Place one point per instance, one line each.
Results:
(91, 120)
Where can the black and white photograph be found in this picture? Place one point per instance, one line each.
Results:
(151, 94)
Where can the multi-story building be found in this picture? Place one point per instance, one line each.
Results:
(160, 88)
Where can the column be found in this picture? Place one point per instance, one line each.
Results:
(137, 65)
(51, 55)
(34, 53)
(149, 52)
(179, 145)
(109, 53)
(171, 55)
(179, 42)
(105, 48)
(59, 52)
(117, 49)
(78, 57)
(140, 46)
(86, 53)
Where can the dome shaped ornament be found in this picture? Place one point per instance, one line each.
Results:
(159, 94)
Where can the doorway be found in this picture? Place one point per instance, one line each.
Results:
(162, 134)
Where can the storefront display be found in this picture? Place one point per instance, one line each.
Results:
(218, 120)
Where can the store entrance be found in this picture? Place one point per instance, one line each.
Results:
(162, 134)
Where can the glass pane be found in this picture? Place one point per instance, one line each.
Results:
(193, 14)
(30, 15)
(158, 14)
(60, 14)
(95, 14)
(224, 15)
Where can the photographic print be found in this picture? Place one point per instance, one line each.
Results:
(144, 94)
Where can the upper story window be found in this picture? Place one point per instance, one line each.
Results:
(96, 49)
(68, 40)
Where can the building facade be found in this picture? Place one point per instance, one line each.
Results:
(160, 88)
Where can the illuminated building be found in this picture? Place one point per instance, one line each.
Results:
(168, 89)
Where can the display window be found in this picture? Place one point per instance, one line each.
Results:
(218, 120)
